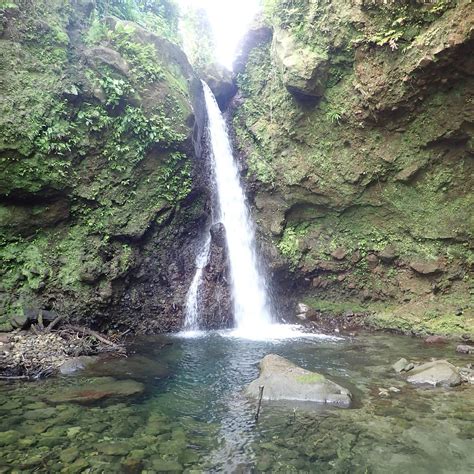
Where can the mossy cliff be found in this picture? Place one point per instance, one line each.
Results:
(101, 196)
(355, 123)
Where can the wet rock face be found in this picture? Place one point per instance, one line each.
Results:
(258, 34)
(364, 191)
(284, 381)
(217, 310)
(221, 82)
(103, 175)
(304, 70)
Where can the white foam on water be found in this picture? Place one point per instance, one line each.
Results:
(277, 332)
(272, 332)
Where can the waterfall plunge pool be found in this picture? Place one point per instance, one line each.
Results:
(192, 416)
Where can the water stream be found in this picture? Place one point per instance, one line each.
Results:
(251, 306)
(193, 416)
(191, 321)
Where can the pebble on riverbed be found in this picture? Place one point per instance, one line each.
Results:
(465, 349)
(402, 365)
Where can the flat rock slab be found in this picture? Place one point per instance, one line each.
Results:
(436, 373)
(135, 366)
(96, 389)
(283, 380)
(75, 364)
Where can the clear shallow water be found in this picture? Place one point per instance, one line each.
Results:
(192, 415)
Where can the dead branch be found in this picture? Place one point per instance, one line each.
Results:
(54, 323)
(94, 334)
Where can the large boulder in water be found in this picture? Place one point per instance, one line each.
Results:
(283, 380)
(436, 373)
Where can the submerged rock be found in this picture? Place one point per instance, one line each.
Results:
(436, 373)
(9, 437)
(96, 389)
(465, 349)
(75, 364)
(137, 367)
(283, 380)
(400, 365)
(436, 340)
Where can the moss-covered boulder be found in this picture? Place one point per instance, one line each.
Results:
(303, 68)
(284, 381)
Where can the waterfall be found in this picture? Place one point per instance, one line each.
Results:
(251, 306)
(191, 321)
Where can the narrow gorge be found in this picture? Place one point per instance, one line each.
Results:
(263, 269)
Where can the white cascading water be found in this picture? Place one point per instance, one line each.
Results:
(251, 307)
(191, 321)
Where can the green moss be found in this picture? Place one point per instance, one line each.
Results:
(397, 24)
(102, 143)
(310, 378)
(142, 57)
(423, 323)
(160, 16)
(435, 317)
(289, 244)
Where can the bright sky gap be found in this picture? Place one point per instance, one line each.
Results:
(229, 19)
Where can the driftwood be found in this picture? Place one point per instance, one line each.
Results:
(95, 335)
(53, 323)
(44, 349)
(14, 377)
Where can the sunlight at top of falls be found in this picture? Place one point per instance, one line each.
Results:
(229, 19)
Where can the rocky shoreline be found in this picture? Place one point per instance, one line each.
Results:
(347, 321)
(38, 351)
(41, 351)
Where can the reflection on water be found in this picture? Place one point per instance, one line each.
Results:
(191, 414)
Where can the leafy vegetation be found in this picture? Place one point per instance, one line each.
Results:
(198, 40)
(289, 245)
(158, 16)
(400, 23)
